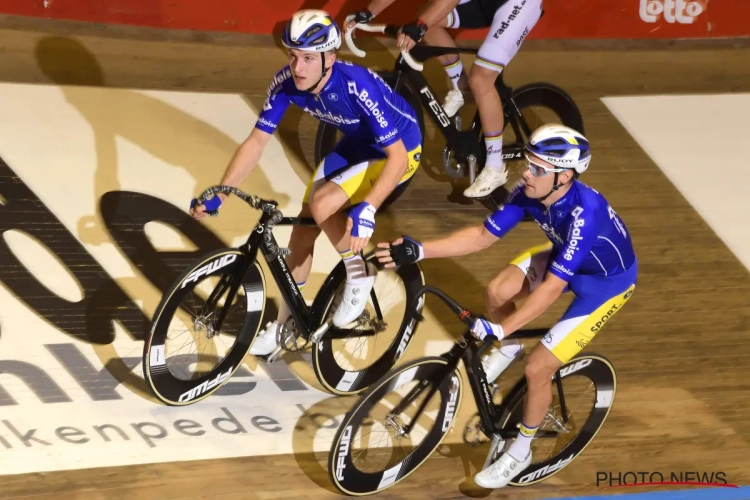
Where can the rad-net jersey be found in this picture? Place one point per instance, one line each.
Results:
(587, 236)
(355, 100)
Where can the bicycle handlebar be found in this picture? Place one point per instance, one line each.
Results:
(390, 30)
(464, 315)
(268, 207)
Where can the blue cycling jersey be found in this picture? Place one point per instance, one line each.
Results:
(355, 100)
(587, 236)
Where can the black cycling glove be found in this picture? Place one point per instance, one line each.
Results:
(408, 252)
(363, 16)
(415, 30)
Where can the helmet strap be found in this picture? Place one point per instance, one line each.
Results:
(555, 187)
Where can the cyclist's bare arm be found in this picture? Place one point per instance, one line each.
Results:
(394, 169)
(245, 159)
(431, 13)
(378, 6)
(462, 242)
(535, 305)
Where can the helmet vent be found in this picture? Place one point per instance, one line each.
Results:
(312, 31)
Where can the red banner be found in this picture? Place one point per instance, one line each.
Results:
(564, 19)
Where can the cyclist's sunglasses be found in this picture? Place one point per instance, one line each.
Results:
(538, 170)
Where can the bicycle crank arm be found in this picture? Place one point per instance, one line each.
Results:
(274, 354)
(496, 447)
(318, 334)
(472, 168)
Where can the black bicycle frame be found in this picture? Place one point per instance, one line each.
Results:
(434, 108)
(466, 350)
(262, 238)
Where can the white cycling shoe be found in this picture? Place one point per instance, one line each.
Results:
(502, 472)
(497, 361)
(267, 340)
(354, 299)
(453, 102)
(486, 182)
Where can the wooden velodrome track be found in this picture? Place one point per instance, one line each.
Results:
(681, 348)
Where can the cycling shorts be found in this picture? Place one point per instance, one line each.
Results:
(597, 299)
(356, 164)
(509, 26)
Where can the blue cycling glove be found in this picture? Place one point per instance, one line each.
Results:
(211, 205)
(481, 328)
(363, 219)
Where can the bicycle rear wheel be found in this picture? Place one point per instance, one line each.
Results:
(357, 471)
(352, 361)
(203, 327)
(588, 382)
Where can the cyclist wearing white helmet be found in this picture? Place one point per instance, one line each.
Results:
(589, 253)
(509, 24)
(379, 153)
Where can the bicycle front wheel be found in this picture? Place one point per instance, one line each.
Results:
(374, 421)
(203, 327)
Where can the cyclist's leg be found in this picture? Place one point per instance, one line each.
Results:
(514, 283)
(301, 245)
(299, 261)
(468, 14)
(510, 26)
(597, 300)
(346, 188)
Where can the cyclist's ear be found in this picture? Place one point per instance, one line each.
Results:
(330, 58)
(567, 176)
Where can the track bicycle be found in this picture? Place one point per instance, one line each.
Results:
(221, 299)
(409, 430)
(464, 153)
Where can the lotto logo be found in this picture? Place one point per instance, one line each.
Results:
(673, 11)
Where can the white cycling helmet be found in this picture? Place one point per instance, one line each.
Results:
(561, 146)
(311, 30)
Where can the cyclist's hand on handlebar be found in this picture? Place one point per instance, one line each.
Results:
(411, 34)
(364, 16)
(211, 205)
(361, 223)
(482, 328)
(401, 252)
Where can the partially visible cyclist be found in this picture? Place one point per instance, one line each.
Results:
(509, 24)
(589, 253)
(378, 154)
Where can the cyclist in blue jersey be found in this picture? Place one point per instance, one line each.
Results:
(589, 253)
(379, 153)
